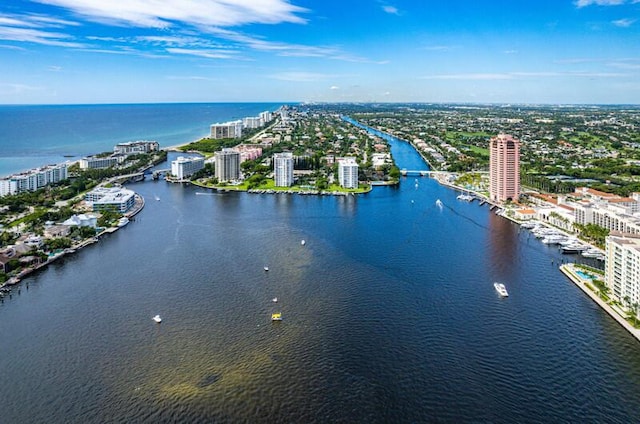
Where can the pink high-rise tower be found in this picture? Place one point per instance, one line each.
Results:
(504, 168)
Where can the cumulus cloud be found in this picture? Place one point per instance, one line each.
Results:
(162, 14)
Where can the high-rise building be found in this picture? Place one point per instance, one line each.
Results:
(504, 168)
(348, 172)
(622, 269)
(227, 164)
(283, 169)
(227, 130)
(184, 167)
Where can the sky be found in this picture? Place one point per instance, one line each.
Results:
(428, 51)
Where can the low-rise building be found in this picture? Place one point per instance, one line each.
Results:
(136, 147)
(116, 199)
(93, 162)
(33, 180)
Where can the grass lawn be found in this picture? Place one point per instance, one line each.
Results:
(269, 184)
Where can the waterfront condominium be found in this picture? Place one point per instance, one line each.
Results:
(183, 167)
(504, 168)
(348, 172)
(227, 165)
(622, 269)
(33, 180)
(231, 129)
(283, 169)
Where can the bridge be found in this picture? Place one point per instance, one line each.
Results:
(421, 173)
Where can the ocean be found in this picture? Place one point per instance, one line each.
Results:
(33, 136)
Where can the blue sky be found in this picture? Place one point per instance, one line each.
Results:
(137, 51)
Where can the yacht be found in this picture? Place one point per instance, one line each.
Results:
(123, 221)
(573, 248)
(439, 203)
(465, 197)
(592, 252)
(157, 319)
(501, 289)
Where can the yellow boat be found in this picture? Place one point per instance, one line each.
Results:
(276, 317)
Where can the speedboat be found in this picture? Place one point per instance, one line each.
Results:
(303, 242)
(266, 268)
(276, 316)
(275, 300)
(157, 319)
(501, 289)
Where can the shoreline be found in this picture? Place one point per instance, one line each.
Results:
(569, 271)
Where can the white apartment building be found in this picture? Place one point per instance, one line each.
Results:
(184, 167)
(266, 117)
(348, 172)
(136, 147)
(117, 199)
(93, 162)
(231, 129)
(252, 122)
(283, 169)
(227, 165)
(622, 268)
(33, 180)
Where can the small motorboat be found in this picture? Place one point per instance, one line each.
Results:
(275, 300)
(501, 289)
(266, 268)
(157, 319)
(276, 316)
(303, 242)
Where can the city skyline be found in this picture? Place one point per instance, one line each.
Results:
(86, 51)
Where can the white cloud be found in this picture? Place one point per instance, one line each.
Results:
(518, 75)
(440, 48)
(209, 54)
(37, 36)
(54, 68)
(390, 10)
(623, 23)
(162, 14)
(583, 3)
(334, 87)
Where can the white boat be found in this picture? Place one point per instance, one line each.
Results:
(439, 203)
(573, 248)
(123, 221)
(465, 197)
(501, 289)
(303, 242)
(275, 300)
(157, 198)
(157, 319)
(266, 268)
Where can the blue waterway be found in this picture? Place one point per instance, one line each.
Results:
(32, 136)
(390, 316)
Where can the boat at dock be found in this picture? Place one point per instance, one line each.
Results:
(501, 289)
(123, 221)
